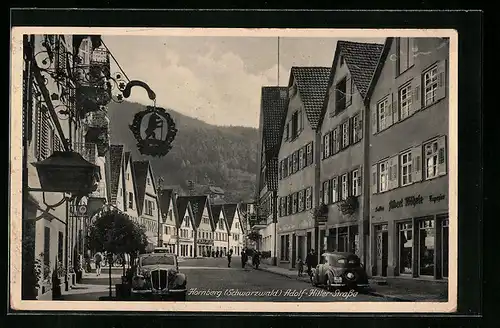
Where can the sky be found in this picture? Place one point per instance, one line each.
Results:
(217, 79)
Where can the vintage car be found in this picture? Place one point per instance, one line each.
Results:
(340, 270)
(158, 278)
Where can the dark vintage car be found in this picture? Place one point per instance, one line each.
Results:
(340, 270)
(158, 278)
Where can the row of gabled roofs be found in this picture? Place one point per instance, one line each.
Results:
(195, 206)
(120, 160)
(363, 61)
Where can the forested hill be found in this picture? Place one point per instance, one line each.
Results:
(225, 155)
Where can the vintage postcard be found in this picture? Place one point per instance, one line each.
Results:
(233, 170)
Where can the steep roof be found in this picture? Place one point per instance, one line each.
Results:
(361, 60)
(182, 205)
(140, 169)
(216, 210)
(376, 74)
(115, 163)
(229, 211)
(198, 204)
(312, 85)
(127, 157)
(165, 196)
(273, 104)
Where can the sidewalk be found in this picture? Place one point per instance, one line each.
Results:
(398, 289)
(92, 284)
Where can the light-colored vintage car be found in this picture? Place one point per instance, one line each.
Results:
(158, 278)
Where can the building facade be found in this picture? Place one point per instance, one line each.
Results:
(147, 200)
(169, 218)
(273, 104)
(409, 108)
(221, 241)
(343, 149)
(204, 225)
(298, 157)
(185, 228)
(235, 230)
(57, 116)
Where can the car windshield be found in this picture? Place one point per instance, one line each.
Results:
(160, 259)
(343, 260)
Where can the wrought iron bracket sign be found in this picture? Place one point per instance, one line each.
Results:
(148, 141)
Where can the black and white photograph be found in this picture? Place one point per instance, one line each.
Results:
(233, 170)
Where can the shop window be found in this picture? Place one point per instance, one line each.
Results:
(343, 239)
(354, 239)
(427, 246)
(405, 231)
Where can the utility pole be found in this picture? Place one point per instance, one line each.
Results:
(158, 193)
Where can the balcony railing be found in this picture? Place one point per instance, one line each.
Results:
(87, 150)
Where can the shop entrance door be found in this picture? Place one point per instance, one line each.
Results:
(382, 249)
(300, 247)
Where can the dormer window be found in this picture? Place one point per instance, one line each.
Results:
(341, 60)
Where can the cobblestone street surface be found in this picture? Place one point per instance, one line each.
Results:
(210, 279)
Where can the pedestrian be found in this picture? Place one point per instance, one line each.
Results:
(256, 259)
(244, 258)
(98, 260)
(300, 266)
(311, 261)
(229, 254)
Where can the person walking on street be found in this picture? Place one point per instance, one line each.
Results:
(244, 258)
(300, 267)
(311, 262)
(229, 254)
(98, 260)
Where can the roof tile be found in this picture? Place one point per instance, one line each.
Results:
(115, 162)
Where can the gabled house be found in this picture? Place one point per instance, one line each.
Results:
(186, 228)
(221, 238)
(298, 162)
(344, 149)
(272, 111)
(116, 176)
(408, 133)
(147, 199)
(204, 225)
(169, 219)
(235, 232)
(130, 191)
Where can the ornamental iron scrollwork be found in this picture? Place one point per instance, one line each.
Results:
(148, 141)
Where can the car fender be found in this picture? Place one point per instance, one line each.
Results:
(180, 279)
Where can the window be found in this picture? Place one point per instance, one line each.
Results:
(285, 167)
(46, 247)
(286, 134)
(430, 86)
(290, 165)
(341, 59)
(326, 145)
(309, 154)
(405, 98)
(130, 200)
(340, 96)
(128, 176)
(288, 205)
(335, 141)
(309, 198)
(148, 181)
(345, 134)
(383, 113)
(345, 186)
(383, 176)
(356, 128)
(435, 158)
(406, 54)
(356, 183)
(187, 222)
(349, 91)
(301, 159)
(405, 248)
(60, 246)
(296, 124)
(426, 247)
(301, 200)
(406, 168)
(295, 162)
(326, 187)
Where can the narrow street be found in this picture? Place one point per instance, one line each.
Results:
(209, 279)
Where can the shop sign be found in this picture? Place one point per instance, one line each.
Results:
(436, 199)
(412, 201)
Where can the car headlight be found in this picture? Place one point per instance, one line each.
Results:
(350, 275)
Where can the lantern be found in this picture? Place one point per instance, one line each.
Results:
(67, 171)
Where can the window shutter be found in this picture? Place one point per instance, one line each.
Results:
(349, 184)
(322, 147)
(389, 112)
(38, 132)
(350, 129)
(339, 137)
(374, 178)
(311, 160)
(279, 171)
(373, 109)
(442, 156)
(395, 172)
(45, 147)
(360, 124)
(349, 132)
(416, 101)
(321, 193)
(417, 163)
(360, 181)
(395, 107)
(441, 77)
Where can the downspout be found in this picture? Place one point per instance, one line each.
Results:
(366, 185)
